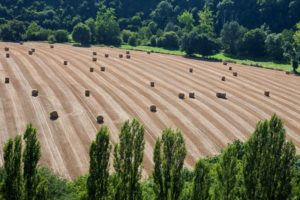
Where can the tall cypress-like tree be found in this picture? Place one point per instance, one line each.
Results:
(202, 181)
(13, 187)
(229, 180)
(97, 183)
(169, 155)
(128, 157)
(31, 156)
(268, 162)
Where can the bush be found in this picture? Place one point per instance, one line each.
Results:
(274, 46)
(36, 33)
(200, 43)
(153, 41)
(169, 40)
(231, 37)
(126, 34)
(51, 39)
(132, 40)
(254, 43)
(61, 36)
(82, 34)
(12, 31)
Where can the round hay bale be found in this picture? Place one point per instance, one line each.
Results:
(153, 108)
(102, 69)
(91, 69)
(191, 70)
(267, 93)
(65, 62)
(7, 55)
(6, 80)
(51, 46)
(54, 115)
(152, 84)
(30, 52)
(127, 52)
(94, 59)
(33, 50)
(94, 53)
(223, 78)
(106, 55)
(221, 95)
(6, 49)
(224, 63)
(181, 96)
(230, 68)
(128, 56)
(235, 74)
(121, 55)
(100, 119)
(87, 93)
(35, 93)
(192, 95)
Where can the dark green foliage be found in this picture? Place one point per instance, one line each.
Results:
(12, 188)
(274, 46)
(36, 33)
(169, 40)
(82, 34)
(295, 65)
(202, 181)
(128, 157)
(97, 182)
(268, 162)
(107, 28)
(199, 43)
(229, 175)
(153, 41)
(169, 154)
(31, 157)
(231, 37)
(61, 36)
(12, 31)
(254, 43)
(132, 40)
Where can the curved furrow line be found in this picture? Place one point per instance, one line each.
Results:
(64, 107)
(122, 97)
(215, 113)
(34, 106)
(134, 84)
(256, 80)
(271, 109)
(40, 106)
(148, 130)
(249, 71)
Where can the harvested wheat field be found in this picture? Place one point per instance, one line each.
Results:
(71, 101)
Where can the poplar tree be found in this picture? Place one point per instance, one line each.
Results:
(202, 181)
(31, 156)
(169, 155)
(229, 180)
(12, 187)
(268, 162)
(97, 182)
(128, 157)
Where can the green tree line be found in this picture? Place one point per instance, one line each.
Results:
(264, 167)
(244, 28)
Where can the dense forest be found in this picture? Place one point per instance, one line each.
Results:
(252, 28)
(263, 167)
